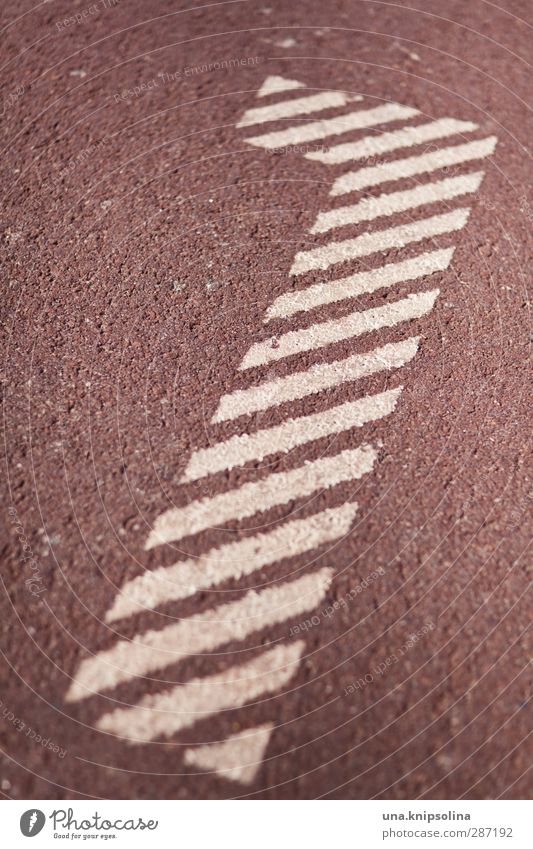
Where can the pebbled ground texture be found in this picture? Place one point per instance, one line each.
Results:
(143, 239)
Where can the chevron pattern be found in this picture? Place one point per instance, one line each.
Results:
(367, 131)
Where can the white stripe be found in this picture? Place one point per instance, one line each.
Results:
(370, 208)
(298, 106)
(317, 378)
(379, 240)
(333, 126)
(359, 284)
(235, 560)
(155, 650)
(402, 168)
(387, 142)
(328, 332)
(282, 438)
(257, 496)
(164, 714)
(275, 85)
(238, 758)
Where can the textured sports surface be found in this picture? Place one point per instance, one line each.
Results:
(266, 273)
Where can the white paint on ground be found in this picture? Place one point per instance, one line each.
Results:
(374, 175)
(379, 240)
(333, 126)
(164, 714)
(281, 438)
(317, 378)
(387, 142)
(275, 85)
(297, 106)
(362, 283)
(262, 495)
(327, 332)
(390, 203)
(237, 758)
(154, 650)
(235, 560)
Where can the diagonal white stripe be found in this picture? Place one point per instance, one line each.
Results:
(374, 175)
(251, 498)
(282, 438)
(359, 284)
(164, 714)
(317, 378)
(297, 106)
(387, 142)
(275, 85)
(328, 332)
(390, 203)
(235, 560)
(379, 240)
(333, 126)
(204, 632)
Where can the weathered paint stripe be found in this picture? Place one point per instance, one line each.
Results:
(327, 332)
(155, 650)
(257, 496)
(297, 106)
(390, 203)
(393, 140)
(235, 560)
(374, 175)
(333, 126)
(281, 438)
(379, 240)
(317, 378)
(166, 713)
(364, 282)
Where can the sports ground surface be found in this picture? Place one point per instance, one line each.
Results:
(266, 324)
